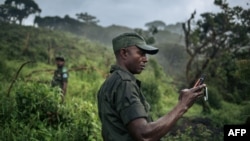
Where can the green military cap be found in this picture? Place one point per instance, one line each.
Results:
(132, 39)
(60, 57)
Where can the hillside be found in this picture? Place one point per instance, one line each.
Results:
(172, 55)
(32, 110)
(172, 33)
(27, 100)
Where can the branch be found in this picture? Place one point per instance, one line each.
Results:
(17, 73)
(187, 29)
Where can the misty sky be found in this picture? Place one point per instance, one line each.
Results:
(130, 13)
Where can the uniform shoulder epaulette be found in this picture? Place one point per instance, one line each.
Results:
(124, 76)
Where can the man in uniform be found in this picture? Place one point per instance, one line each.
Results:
(60, 77)
(122, 108)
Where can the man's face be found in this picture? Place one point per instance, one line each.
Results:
(59, 63)
(136, 59)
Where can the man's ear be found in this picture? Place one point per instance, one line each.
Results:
(123, 53)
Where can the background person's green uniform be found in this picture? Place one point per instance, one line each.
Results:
(60, 76)
(120, 101)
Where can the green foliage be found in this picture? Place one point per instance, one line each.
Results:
(215, 45)
(242, 75)
(33, 110)
(43, 103)
(245, 113)
(150, 88)
(5, 71)
(156, 88)
(17, 10)
(33, 106)
(84, 85)
(8, 108)
(228, 114)
(195, 129)
(231, 76)
(37, 111)
(214, 97)
(197, 133)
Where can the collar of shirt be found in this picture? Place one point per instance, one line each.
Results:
(116, 68)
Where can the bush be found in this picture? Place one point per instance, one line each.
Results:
(214, 97)
(35, 113)
(194, 133)
(157, 89)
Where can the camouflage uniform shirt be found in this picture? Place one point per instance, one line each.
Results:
(120, 101)
(60, 76)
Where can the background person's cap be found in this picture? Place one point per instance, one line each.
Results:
(132, 39)
(60, 57)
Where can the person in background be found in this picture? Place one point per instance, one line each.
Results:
(60, 77)
(122, 107)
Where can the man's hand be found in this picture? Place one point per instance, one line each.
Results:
(188, 96)
(140, 129)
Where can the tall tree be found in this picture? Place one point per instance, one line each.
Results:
(158, 25)
(213, 35)
(21, 9)
(4, 16)
(86, 18)
(49, 22)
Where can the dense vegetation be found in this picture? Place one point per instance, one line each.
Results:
(32, 110)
